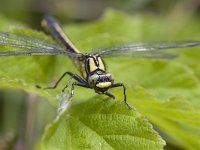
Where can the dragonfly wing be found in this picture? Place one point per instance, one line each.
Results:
(40, 52)
(157, 55)
(26, 45)
(145, 50)
(24, 41)
(32, 52)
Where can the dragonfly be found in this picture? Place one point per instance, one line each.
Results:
(93, 72)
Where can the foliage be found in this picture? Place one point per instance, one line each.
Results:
(165, 91)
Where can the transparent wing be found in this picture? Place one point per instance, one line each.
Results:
(26, 45)
(145, 50)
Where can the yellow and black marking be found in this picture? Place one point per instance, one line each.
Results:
(94, 63)
(92, 67)
(51, 25)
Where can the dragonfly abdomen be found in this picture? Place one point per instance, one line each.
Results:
(53, 26)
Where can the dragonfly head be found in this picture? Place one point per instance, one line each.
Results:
(100, 82)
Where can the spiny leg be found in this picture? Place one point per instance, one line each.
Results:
(118, 85)
(56, 84)
(110, 95)
(78, 84)
(77, 78)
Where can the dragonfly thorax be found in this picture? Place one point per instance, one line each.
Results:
(94, 63)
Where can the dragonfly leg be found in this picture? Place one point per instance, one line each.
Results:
(118, 85)
(110, 95)
(76, 77)
(56, 84)
(59, 80)
(82, 84)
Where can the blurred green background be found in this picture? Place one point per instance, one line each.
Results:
(23, 115)
(30, 11)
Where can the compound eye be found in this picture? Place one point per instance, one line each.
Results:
(110, 77)
(92, 80)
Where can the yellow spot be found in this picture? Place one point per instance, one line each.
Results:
(92, 65)
(103, 84)
(101, 64)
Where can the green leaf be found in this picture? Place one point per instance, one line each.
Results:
(165, 91)
(101, 124)
(177, 119)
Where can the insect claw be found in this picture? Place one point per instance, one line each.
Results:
(129, 106)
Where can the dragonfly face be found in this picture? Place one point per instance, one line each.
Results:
(91, 66)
